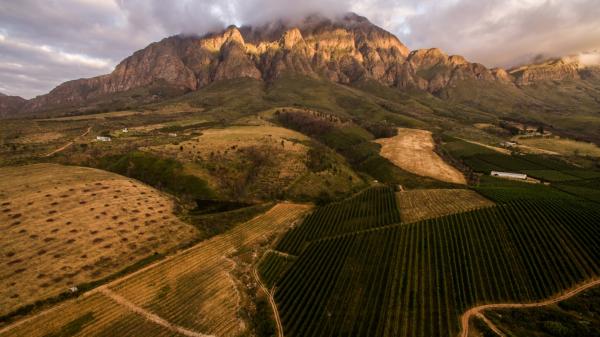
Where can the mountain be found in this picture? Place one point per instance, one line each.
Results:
(560, 69)
(347, 50)
(10, 105)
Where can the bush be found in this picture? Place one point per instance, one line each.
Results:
(162, 173)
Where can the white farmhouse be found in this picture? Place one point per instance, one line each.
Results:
(509, 175)
(103, 139)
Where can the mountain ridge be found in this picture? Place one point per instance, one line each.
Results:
(345, 50)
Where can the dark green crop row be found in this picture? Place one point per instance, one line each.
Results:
(373, 208)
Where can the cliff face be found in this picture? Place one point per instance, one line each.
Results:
(345, 50)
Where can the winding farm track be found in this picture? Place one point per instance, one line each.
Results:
(150, 316)
(475, 311)
(67, 145)
(272, 301)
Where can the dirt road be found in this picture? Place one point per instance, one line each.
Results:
(466, 317)
(413, 150)
(272, 301)
(67, 145)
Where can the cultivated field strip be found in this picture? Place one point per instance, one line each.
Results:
(193, 289)
(373, 208)
(417, 279)
(417, 205)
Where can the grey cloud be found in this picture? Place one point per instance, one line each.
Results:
(505, 33)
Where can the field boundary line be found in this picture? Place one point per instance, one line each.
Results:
(282, 254)
(565, 295)
(393, 225)
(272, 301)
(150, 316)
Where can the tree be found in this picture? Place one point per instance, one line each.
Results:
(541, 129)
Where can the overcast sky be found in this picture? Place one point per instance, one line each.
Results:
(46, 42)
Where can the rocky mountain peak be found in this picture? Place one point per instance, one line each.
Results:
(290, 38)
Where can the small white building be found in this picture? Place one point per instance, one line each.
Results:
(103, 139)
(509, 175)
(125, 130)
(508, 144)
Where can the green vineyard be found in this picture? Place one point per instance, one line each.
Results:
(373, 208)
(273, 266)
(417, 279)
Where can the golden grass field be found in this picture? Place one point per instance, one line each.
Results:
(65, 225)
(416, 205)
(192, 293)
(413, 150)
(560, 146)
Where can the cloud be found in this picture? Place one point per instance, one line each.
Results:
(590, 58)
(54, 41)
(505, 32)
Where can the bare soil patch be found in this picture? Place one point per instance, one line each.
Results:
(413, 150)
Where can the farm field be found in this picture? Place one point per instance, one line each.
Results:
(64, 226)
(372, 208)
(565, 180)
(413, 150)
(575, 316)
(192, 293)
(418, 279)
(416, 205)
(563, 146)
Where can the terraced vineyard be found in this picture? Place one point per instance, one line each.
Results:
(191, 293)
(372, 208)
(417, 279)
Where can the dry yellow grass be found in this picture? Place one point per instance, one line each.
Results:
(416, 205)
(561, 146)
(103, 115)
(413, 151)
(193, 290)
(43, 137)
(65, 225)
